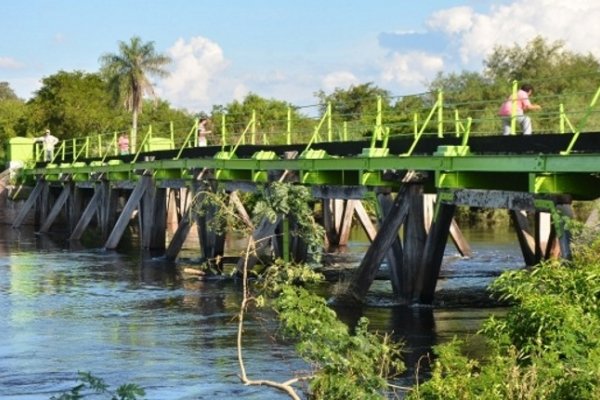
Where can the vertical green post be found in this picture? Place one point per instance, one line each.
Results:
(440, 105)
(456, 123)
(172, 132)
(253, 127)
(195, 140)
(329, 126)
(561, 108)
(416, 124)
(513, 110)
(286, 239)
(223, 133)
(100, 145)
(87, 147)
(379, 119)
(115, 140)
(345, 132)
(74, 147)
(288, 139)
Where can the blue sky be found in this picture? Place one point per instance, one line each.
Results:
(286, 50)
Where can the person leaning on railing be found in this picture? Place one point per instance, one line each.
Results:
(518, 106)
(48, 143)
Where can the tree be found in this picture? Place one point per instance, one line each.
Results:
(558, 76)
(6, 93)
(12, 110)
(271, 118)
(356, 105)
(128, 72)
(73, 104)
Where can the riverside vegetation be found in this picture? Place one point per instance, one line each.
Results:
(545, 347)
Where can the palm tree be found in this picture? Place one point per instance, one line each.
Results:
(127, 74)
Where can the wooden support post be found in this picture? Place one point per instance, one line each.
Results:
(328, 215)
(262, 236)
(29, 203)
(346, 224)
(154, 219)
(76, 201)
(414, 244)
(543, 226)
(88, 213)
(526, 239)
(388, 233)
(173, 209)
(564, 235)
(146, 216)
(58, 205)
(434, 252)
(459, 240)
(461, 244)
(159, 233)
(394, 254)
(212, 244)
(107, 212)
(42, 204)
(185, 223)
(365, 220)
(132, 203)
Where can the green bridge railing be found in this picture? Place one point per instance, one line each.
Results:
(443, 115)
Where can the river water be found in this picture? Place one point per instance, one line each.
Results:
(126, 317)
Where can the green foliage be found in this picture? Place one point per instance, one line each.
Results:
(127, 74)
(6, 92)
(12, 114)
(547, 346)
(271, 123)
(72, 104)
(293, 200)
(94, 387)
(347, 366)
(356, 105)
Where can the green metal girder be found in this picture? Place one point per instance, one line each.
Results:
(517, 182)
(575, 174)
(581, 186)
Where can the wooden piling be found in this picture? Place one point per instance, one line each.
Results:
(434, 252)
(132, 203)
(388, 233)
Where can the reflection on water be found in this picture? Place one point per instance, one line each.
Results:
(131, 318)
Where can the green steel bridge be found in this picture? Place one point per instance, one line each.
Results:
(539, 174)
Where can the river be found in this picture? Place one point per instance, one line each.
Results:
(127, 317)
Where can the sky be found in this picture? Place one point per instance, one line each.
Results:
(288, 50)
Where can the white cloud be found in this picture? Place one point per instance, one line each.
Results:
(9, 63)
(339, 79)
(411, 69)
(197, 67)
(573, 21)
(452, 20)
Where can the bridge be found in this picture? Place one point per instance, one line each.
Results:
(417, 180)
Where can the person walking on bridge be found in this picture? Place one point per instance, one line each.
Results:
(519, 106)
(48, 143)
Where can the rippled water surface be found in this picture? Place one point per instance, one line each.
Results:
(131, 318)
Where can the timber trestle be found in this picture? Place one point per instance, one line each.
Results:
(414, 198)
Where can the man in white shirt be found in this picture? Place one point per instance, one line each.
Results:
(48, 142)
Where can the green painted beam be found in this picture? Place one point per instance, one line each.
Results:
(574, 174)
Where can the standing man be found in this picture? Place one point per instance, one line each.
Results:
(48, 143)
(519, 105)
(203, 130)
